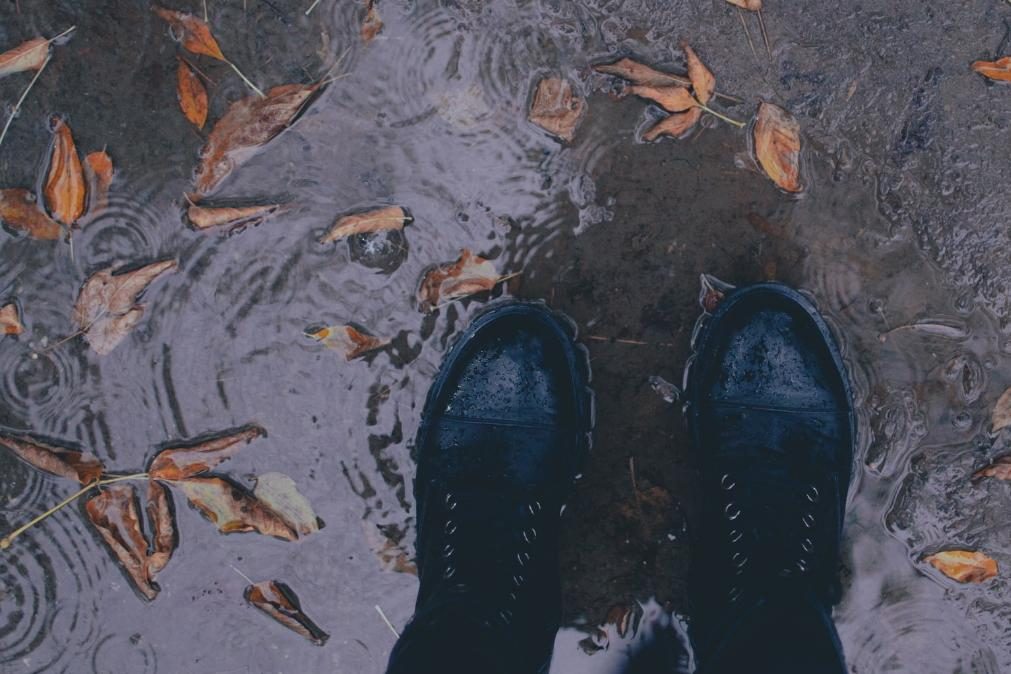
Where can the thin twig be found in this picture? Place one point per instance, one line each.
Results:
(387, 621)
(312, 7)
(57, 37)
(739, 125)
(747, 33)
(247, 578)
(17, 106)
(765, 35)
(205, 11)
(631, 342)
(246, 80)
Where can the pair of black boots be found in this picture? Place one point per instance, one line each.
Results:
(506, 429)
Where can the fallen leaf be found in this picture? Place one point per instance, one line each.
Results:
(64, 190)
(206, 217)
(194, 34)
(73, 464)
(281, 603)
(248, 124)
(10, 320)
(671, 99)
(641, 74)
(621, 617)
(161, 516)
(995, 70)
(19, 210)
(999, 468)
(378, 220)
(98, 167)
(1001, 416)
(372, 23)
(555, 108)
(675, 125)
(191, 94)
(184, 461)
(703, 80)
(750, 5)
(114, 513)
(391, 554)
(233, 508)
(468, 275)
(280, 494)
(30, 55)
(347, 339)
(777, 146)
(107, 309)
(964, 566)
(712, 291)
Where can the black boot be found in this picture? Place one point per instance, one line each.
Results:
(504, 433)
(770, 409)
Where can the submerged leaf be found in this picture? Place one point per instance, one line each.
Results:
(703, 80)
(281, 495)
(995, 70)
(777, 146)
(750, 5)
(671, 99)
(65, 190)
(19, 210)
(391, 554)
(468, 275)
(163, 527)
(248, 124)
(555, 108)
(192, 95)
(1000, 468)
(206, 217)
(1001, 415)
(194, 34)
(114, 513)
(98, 166)
(347, 339)
(279, 602)
(183, 461)
(30, 55)
(73, 464)
(641, 74)
(675, 125)
(233, 508)
(372, 23)
(10, 320)
(107, 309)
(377, 220)
(964, 566)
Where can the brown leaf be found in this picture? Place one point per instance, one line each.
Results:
(347, 339)
(999, 468)
(107, 309)
(392, 555)
(555, 108)
(248, 124)
(377, 220)
(19, 210)
(161, 515)
(183, 461)
(777, 146)
(73, 464)
(65, 190)
(115, 514)
(279, 493)
(641, 74)
(468, 275)
(281, 603)
(750, 5)
(194, 34)
(995, 70)
(964, 566)
(98, 166)
(675, 125)
(232, 508)
(671, 99)
(703, 81)
(10, 320)
(30, 55)
(372, 24)
(1001, 416)
(191, 94)
(206, 217)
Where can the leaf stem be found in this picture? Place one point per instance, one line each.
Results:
(246, 79)
(17, 106)
(739, 125)
(67, 31)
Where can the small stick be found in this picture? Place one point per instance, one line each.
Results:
(765, 35)
(246, 79)
(205, 11)
(17, 106)
(307, 12)
(387, 621)
(739, 125)
(747, 33)
(247, 578)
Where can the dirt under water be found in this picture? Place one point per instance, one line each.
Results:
(901, 236)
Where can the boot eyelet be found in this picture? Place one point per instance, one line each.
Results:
(731, 511)
(807, 520)
(447, 551)
(450, 501)
(449, 572)
(802, 565)
(534, 507)
(522, 558)
(727, 482)
(518, 580)
(450, 527)
(735, 536)
(739, 560)
(734, 594)
(812, 494)
(506, 615)
(807, 545)
(530, 535)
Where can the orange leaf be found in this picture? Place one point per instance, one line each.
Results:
(163, 527)
(750, 5)
(72, 464)
(393, 557)
(378, 220)
(372, 24)
(65, 190)
(194, 34)
(675, 125)
(19, 210)
(30, 55)
(232, 508)
(206, 217)
(192, 95)
(182, 461)
(281, 603)
(964, 566)
(1000, 417)
(1000, 468)
(777, 146)
(555, 108)
(995, 70)
(639, 73)
(671, 99)
(347, 339)
(10, 321)
(703, 80)
(468, 275)
(114, 513)
(98, 166)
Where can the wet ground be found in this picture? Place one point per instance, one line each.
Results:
(906, 158)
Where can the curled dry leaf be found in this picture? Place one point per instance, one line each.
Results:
(248, 124)
(161, 515)
(207, 217)
(468, 275)
(671, 99)
(19, 210)
(10, 320)
(777, 146)
(30, 55)
(377, 220)
(183, 461)
(995, 70)
(65, 190)
(964, 566)
(750, 5)
(194, 34)
(712, 291)
(280, 494)
(372, 23)
(347, 339)
(555, 108)
(703, 80)
(233, 508)
(107, 309)
(641, 74)
(114, 513)
(279, 602)
(391, 554)
(98, 166)
(674, 125)
(1000, 418)
(1000, 468)
(192, 95)
(73, 464)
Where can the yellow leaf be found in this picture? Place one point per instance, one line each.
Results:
(995, 70)
(30, 55)
(192, 95)
(378, 220)
(671, 99)
(777, 146)
(964, 566)
(347, 339)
